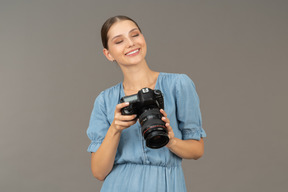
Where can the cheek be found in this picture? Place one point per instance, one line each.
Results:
(116, 50)
(143, 39)
(144, 46)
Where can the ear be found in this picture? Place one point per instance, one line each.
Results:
(108, 55)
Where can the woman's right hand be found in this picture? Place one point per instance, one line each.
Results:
(102, 160)
(120, 121)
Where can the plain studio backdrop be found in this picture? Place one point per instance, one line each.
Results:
(52, 68)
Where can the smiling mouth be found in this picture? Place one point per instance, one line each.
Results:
(133, 52)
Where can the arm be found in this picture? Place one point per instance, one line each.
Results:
(187, 149)
(102, 160)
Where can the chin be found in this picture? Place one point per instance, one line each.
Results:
(131, 64)
(134, 62)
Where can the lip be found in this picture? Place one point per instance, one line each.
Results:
(133, 51)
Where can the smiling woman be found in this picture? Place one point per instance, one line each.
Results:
(106, 26)
(126, 44)
(119, 154)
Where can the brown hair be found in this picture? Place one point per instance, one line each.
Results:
(108, 24)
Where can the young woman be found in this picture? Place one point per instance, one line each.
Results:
(120, 156)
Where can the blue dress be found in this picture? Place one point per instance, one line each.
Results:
(138, 168)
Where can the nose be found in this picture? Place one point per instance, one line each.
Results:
(130, 42)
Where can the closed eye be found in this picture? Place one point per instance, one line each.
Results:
(118, 42)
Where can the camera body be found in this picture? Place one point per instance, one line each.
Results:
(145, 98)
(146, 104)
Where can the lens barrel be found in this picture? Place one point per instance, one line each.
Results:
(153, 128)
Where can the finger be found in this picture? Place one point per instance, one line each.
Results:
(121, 105)
(169, 128)
(125, 123)
(165, 119)
(127, 117)
(170, 133)
(163, 112)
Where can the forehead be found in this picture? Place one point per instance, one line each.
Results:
(121, 28)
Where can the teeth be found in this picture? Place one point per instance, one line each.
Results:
(133, 52)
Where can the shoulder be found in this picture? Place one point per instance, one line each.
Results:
(111, 93)
(173, 76)
(175, 79)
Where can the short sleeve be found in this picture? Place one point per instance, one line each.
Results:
(98, 124)
(188, 109)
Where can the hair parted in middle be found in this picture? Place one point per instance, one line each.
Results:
(108, 24)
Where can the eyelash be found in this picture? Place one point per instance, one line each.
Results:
(118, 42)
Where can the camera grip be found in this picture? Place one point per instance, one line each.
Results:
(127, 110)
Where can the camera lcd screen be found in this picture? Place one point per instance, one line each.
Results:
(131, 98)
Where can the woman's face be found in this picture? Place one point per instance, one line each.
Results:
(126, 44)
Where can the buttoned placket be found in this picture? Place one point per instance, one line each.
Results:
(143, 145)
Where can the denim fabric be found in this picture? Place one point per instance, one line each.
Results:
(138, 168)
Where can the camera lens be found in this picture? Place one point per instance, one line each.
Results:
(157, 139)
(153, 128)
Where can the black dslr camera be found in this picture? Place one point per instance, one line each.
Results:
(146, 104)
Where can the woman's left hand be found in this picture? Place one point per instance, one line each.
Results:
(171, 135)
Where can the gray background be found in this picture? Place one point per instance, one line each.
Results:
(52, 68)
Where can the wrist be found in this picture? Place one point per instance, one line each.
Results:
(172, 142)
(114, 130)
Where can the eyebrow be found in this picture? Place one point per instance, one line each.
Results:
(122, 35)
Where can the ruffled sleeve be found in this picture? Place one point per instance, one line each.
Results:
(188, 109)
(98, 124)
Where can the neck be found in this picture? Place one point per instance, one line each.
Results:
(137, 77)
